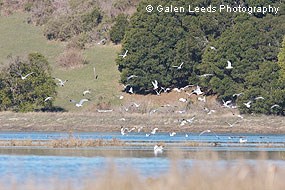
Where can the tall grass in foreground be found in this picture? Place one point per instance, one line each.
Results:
(205, 176)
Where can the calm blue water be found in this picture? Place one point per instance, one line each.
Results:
(140, 137)
(24, 163)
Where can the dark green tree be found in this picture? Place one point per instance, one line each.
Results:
(252, 48)
(281, 58)
(23, 93)
(157, 41)
(117, 32)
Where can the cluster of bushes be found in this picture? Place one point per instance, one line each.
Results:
(67, 26)
(28, 93)
(71, 58)
(205, 42)
(65, 20)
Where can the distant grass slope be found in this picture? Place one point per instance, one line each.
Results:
(104, 89)
(19, 38)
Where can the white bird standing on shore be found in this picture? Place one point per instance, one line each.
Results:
(124, 55)
(157, 149)
(182, 100)
(242, 140)
(24, 77)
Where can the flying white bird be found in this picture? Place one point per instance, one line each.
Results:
(155, 84)
(247, 104)
(259, 98)
(227, 103)
(132, 76)
(125, 54)
(275, 106)
(232, 124)
(209, 112)
(172, 134)
(179, 67)
(191, 120)
(48, 98)
(131, 91)
(154, 131)
(206, 75)
(183, 122)
(213, 48)
(240, 116)
(206, 131)
(197, 91)
(80, 103)
(61, 82)
(209, 131)
(24, 77)
(229, 66)
(165, 90)
(106, 111)
(185, 87)
(86, 92)
(136, 105)
(237, 95)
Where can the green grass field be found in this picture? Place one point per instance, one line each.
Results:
(19, 39)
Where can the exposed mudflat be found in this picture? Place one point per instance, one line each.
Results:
(166, 122)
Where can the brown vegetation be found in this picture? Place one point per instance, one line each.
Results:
(71, 142)
(71, 58)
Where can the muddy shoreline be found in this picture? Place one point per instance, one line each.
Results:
(112, 122)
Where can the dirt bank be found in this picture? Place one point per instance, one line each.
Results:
(166, 122)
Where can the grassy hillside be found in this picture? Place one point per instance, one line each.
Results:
(19, 38)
